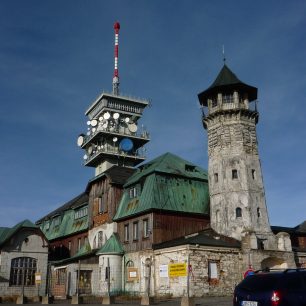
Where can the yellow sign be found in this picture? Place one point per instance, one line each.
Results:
(37, 278)
(179, 269)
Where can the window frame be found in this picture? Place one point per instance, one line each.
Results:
(135, 230)
(146, 231)
(23, 269)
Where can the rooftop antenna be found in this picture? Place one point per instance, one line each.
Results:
(116, 73)
(223, 52)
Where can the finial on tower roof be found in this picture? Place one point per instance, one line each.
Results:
(116, 71)
(223, 52)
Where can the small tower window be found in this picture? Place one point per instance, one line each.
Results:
(258, 212)
(238, 212)
(218, 217)
(216, 177)
(214, 102)
(253, 174)
(227, 99)
(234, 174)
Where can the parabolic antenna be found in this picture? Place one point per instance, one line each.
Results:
(80, 140)
(88, 133)
(89, 150)
(88, 122)
(127, 119)
(94, 122)
(93, 130)
(132, 127)
(126, 145)
(100, 118)
(105, 124)
(106, 115)
(116, 116)
(85, 157)
(115, 139)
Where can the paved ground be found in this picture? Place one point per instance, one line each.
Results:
(207, 301)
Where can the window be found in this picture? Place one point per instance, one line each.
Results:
(126, 232)
(57, 221)
(80, 213)
(79, 243)
(23, 271)
(258, 212)
(253, 174)
(227, 99)
(47, 226)
(238, 212)
(218, 217)
(60, 276)
(85, 240)
(133, 192)
(146, 228)
(212, 270)
(135, 231)
(234, 174)
(214, 102)
(100, 239)
(216, 177)
(69, 245)
(95, 243)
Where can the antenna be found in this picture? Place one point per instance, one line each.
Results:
(223, 52)
(116, 73)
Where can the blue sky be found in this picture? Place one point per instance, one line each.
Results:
(57, 56)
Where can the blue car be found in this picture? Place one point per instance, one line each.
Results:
(272, 288)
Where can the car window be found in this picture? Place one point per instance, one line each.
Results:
(260, 282)
(291, 281)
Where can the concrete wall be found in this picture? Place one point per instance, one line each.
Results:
(26, 244)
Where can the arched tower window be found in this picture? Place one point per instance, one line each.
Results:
(238, 212)
(218, 217)
(258, 212)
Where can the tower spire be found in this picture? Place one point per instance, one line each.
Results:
(116, 72)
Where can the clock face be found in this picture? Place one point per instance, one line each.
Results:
(80, 140)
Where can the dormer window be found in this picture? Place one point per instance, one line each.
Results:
(80, 213)
(134, 192)
(57, 221)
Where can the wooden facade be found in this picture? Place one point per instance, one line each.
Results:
(163, 226)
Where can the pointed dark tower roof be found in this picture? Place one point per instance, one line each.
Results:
(227, 81)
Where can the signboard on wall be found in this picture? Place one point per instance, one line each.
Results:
(177, 269)
(163, 271)
(132, 273)
(37, 278)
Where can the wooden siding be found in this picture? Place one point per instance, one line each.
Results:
(162, 227)
(110, 195)
(59, 249)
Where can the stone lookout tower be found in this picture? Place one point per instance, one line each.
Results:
(237, 196)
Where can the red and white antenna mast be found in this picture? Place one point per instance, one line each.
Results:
(116, 72)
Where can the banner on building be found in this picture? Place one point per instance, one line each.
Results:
(178, 269)
(132, 273)
(163, 271)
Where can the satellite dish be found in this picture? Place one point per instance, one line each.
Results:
(127, 119)
(85, 157)
(132, 127)
(116, 116)
(88, 122)
(105, 124)
(106, 115)
(88, 133)
(100, 118)
(126, 145)
(80, 140)
(115, 139)
(94, 122)
(94, 129)
(89, 151)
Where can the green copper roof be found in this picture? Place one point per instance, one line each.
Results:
(6, 232)
(166, 183)
(111, 246)
(225, 81)
(168, 163)
(68, 225)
